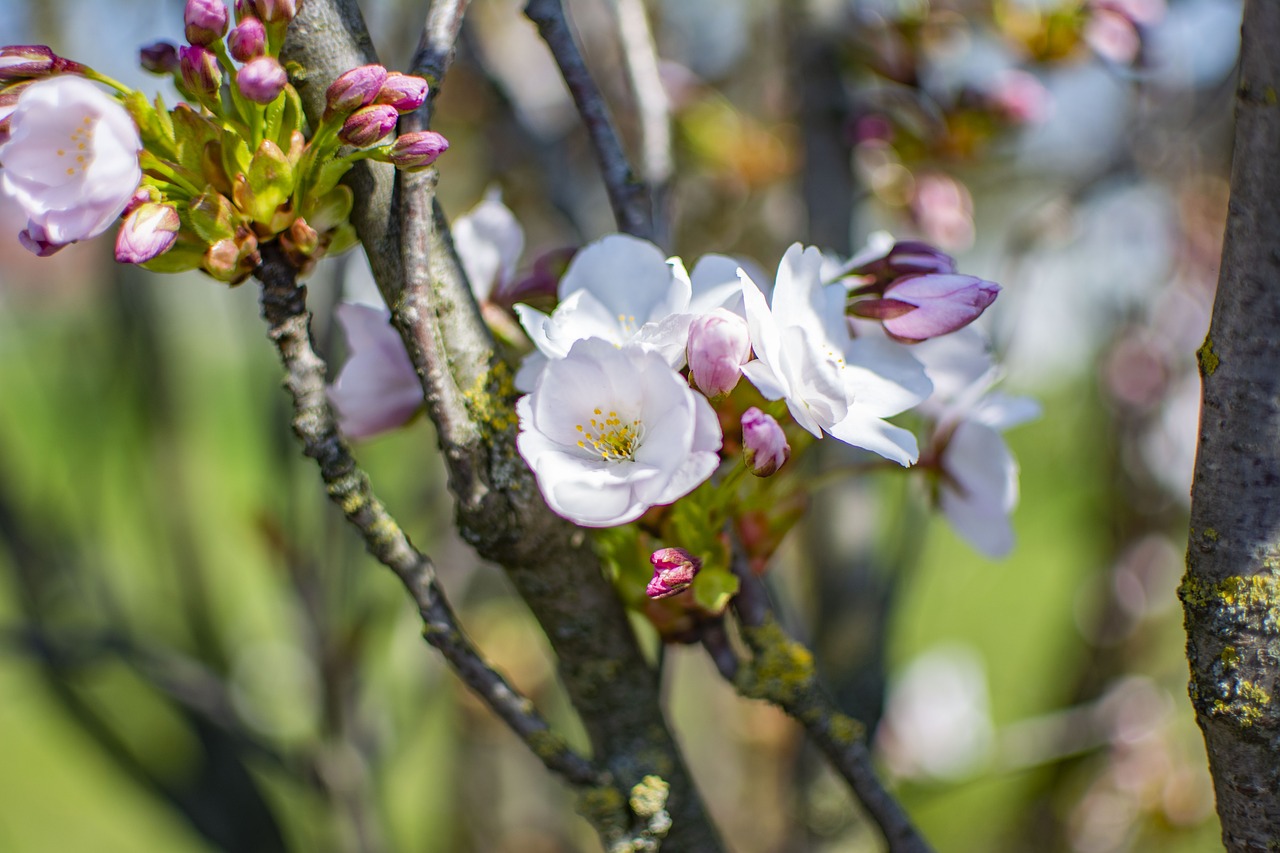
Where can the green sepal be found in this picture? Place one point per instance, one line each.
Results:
(212, 217)
(328, 175)
(178, 259)
(192, 132)
(270, 176)
(342, 239)
(327, 212)
(713, 588)
(235, 156)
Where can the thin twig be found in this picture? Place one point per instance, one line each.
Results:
(284, 308)
(640, 56)
(627, 194)
(781, 671)
(436, 48)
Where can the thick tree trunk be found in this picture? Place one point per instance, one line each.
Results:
(1231, 592)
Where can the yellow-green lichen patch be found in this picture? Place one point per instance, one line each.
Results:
(1207, 358)
(1236, 603)
(489, 399)
(649, 796)
(1211, 534)
(1243, 703)
(604, 808)
(846, 730)
(782, 669)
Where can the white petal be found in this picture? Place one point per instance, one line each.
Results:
(980, 463)
(883, 378)
(630, 277)
(716, 285)
(759, 374)
(1002, 412)
(878, 436)
(489, 242)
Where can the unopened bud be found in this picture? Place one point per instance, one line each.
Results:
(402, 91)
(262, 80)
(304, 237)
(540, 284)
(354, 89)
(141, 196)
(417, 150)
(200, 73)
(29, 61)
(148, 231)
(159, 57)
(719, 344)
(919, 307)
(206, 21)
(248, 40)
(673, 572)
(907, 257)
(368, 125)
(764, 444)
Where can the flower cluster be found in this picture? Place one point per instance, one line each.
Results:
(201, 185)
(633, 395)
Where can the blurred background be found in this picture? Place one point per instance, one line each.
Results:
(196, 655)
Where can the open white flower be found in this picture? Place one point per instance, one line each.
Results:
(70, 162)
(620, 289)
(978, 482)
(832, 382)
(610, 431)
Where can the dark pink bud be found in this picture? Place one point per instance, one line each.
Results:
(541, 283)
(206, 21)
(262, 80)
(28, 61)
(148, 231)
(402, 91)
(248, 40)
(244, 10)
(417, 150)
(719, 344)
(368, 125)
(159, 57)
(906, 257)
(919, 307)
(355, 89)
(764, 444)
(272, 11)
(673, 572)
(200, 72)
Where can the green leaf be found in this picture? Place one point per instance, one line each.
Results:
(271, 179)
(212, 217)
(713, 588)
(177, 259)
(192, 132)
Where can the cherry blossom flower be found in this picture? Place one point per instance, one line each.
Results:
(619, 289)
(610, 431)
(377, 389)
(978, 475)
(489, 242)
(70, 162)
(831, 382)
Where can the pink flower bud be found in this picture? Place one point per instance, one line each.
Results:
(147, 232)
(206, 21)
(919, 307)
(262, 80)
(272, 11)
(354, 89)
(159, 57)
(248, 40)
(29, 61)
(907, 257)
(673, 572)
(764, 444)
(417, 150)
(402, 91)
(368, 125)
(200, 73)
(141, 196)
(541, 283)
(244, 11)
(719, 344)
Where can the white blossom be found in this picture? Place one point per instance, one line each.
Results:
(610, 431)
(489, 242)
(70, 162)
(377, 389)
(831, 382)
(978, 480)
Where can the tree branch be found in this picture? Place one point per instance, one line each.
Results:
(628, 195)
(781, 671)
(284, 309)
(1231, 592)
(641, 59)
(470, 397)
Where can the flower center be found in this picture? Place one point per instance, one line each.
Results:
(627, 322)
(76, 153)
(609, 437)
